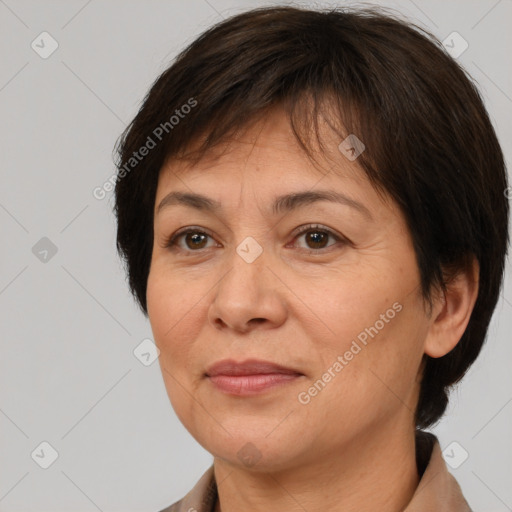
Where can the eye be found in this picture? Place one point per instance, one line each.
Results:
(316, 237)
(193, 238)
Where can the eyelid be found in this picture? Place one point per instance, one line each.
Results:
(310, 227)
(319, 227)
(171, 241)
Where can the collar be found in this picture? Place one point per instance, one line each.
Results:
(437, 490)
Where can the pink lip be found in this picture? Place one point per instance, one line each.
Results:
(250, 377)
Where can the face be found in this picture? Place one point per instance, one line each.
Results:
(326, 289)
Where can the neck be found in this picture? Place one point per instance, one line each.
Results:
(377, 472)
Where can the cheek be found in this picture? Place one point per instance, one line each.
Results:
(175, 326)
(160, 306)
(173, 314)
(382, 360)
(370, 358)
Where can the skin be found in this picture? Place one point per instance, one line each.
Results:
(352, 446)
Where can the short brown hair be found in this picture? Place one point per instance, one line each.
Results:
(429, 141)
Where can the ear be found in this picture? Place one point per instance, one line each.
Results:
(452, 310)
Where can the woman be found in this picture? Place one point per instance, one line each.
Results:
(311, 209)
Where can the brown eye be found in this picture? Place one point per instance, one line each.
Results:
(316, 238)
(195, 240)
(189, 240)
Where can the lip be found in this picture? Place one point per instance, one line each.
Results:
(247, 367)
(249, 377)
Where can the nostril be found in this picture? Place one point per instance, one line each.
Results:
(220, 323)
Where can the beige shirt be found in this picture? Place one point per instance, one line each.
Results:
(438, 491)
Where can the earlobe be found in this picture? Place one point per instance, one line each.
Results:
(452, 311)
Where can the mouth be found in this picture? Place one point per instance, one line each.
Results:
(249, 377)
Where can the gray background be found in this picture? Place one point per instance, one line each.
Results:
(68, 324)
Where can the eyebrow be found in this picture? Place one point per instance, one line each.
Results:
(283, 203)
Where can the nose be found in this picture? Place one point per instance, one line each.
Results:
(248, 296)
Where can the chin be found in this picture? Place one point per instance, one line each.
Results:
(251, 448)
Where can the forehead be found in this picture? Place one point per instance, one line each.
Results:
(264, 170)
(268, 144)
(266, 167)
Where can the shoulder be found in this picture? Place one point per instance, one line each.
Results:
(437, 490)
(201, 498)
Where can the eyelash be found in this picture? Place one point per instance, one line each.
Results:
(171, 241)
